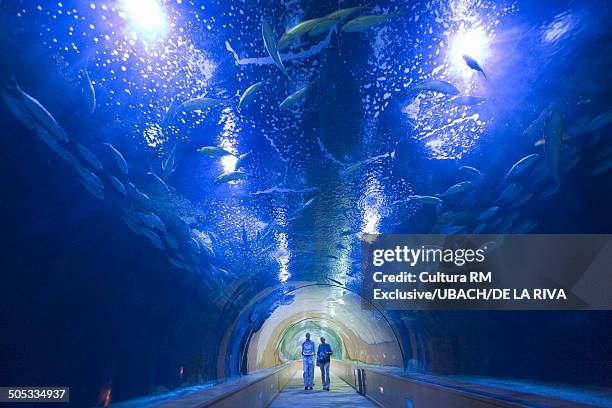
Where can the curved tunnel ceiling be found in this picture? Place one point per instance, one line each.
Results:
(341, 162)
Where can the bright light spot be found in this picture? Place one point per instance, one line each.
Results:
(371, 204)
(283, 257)
(371, 218)
(154, 135)
(469, 41)
(229, 163)
(146, 17)
(227, 141)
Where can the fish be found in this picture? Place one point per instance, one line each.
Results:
(364, 22)
(603, 153)
(505, 226)
(18, 109)
(294, 33)
(121, 163)
(569, 164)
(552, 147)
(90, 178)
(231, 176)
(451, 229)
(250, 93)
(158, 180)
(89, 157)
(54, 145)
(213, 151)
(467, 100)
(179, 265)
(41, 116)
(172, 242)
(91, 182)
(323, 26)
(242, 159)
(194, 245)
(349, 232)
(479, 228)
(118, 185)
(171, 112)
(93, 191)
(597, 122)
(345, 12)
(200, 104)
(271, 47)
(457, 188)
(522, 200)
(576, 128)
(539, 173)
(602, 167)
(494, 223)
(294, 97)
(488, 213)
(434, 85)
(136, 194)
(153, 221)
(474, 171)
(473, 64)
(309, 203)
(550, 190)
(522, 165)
(88, 91)
(153, 238)
(426, 199)
(169, 165)
(509, 192)
(351, 170)
(524, 227)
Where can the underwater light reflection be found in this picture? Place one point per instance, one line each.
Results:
(561, 25)
(228, 142)
(283, 259)
(146, 17)
(371, 204)
(473, 41)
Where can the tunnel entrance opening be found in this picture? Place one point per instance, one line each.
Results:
(289, 345)
(364, 334)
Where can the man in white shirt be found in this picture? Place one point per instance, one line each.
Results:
(308, 351)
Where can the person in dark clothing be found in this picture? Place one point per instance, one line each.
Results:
(324, 353)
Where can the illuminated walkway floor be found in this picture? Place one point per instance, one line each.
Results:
(340, 395)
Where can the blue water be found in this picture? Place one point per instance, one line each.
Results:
(120, 299)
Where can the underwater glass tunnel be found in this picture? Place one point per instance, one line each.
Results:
(186, 183)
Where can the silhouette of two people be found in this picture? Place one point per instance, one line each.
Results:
(323, 358)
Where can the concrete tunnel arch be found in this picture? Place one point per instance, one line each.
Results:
(366, 335)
